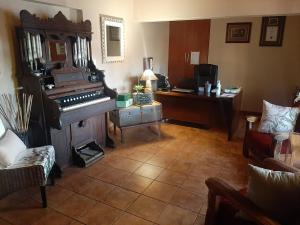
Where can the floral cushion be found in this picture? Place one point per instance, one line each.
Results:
(277, 119)
(41, 156)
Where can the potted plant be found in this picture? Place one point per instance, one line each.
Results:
(138, 88)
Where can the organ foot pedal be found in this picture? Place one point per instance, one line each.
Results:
(87, 154)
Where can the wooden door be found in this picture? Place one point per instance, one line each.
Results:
(176, 52)
(197, 40)
(186, 37)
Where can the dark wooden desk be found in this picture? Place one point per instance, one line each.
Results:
(209, 111)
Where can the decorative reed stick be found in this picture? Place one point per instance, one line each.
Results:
(16, 111)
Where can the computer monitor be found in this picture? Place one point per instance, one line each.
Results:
(206, 72)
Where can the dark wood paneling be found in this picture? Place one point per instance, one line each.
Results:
(186, 37)
(60, 139)
(177, 52)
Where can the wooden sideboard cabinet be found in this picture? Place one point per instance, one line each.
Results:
(132, 116)
(209, 111)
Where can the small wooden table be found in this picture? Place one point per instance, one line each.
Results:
(135, 116)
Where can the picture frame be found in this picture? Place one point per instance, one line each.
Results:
(238, 32)
(272, 30)
(112, 39)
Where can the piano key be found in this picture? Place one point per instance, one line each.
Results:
(84, 104)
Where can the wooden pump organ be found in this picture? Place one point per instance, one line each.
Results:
(71, 98)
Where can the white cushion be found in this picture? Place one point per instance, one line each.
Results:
(275, 192)
(2, 128)
(10, 146)
(278, 119)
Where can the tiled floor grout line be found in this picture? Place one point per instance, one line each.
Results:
(99, 201)
(32, 198)
(160, 150)
(140, 194)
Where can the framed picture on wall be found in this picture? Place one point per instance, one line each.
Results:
(272, 29)
(238, 32)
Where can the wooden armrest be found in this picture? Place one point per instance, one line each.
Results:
(217, 187)
(273, 164)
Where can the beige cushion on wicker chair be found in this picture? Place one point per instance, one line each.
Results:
(10, 147)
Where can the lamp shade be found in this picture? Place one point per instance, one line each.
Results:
(148, 75)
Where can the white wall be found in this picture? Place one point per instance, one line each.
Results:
(270, 73)
(168, 10)
(141, 40)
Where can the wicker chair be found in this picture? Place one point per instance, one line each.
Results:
(31, 167)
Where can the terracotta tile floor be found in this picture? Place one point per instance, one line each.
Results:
(148, 180)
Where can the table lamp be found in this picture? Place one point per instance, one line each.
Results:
(148, 76)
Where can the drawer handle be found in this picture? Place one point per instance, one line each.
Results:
(82, 124)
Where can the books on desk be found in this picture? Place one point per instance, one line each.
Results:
(225, 95)
(232, 90)
(183, 90)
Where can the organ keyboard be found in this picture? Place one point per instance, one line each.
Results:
(84, 104)
(71, 102)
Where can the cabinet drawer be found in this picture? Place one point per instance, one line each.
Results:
(135, 115)
(130, 117)
(151, 113)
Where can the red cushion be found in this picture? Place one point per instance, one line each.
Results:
(260, 143)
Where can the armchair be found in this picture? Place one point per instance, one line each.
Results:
(258, 145)
(224, 201)
(32, 167)
(29, 167)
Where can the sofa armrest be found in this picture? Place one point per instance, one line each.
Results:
(217, 187)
